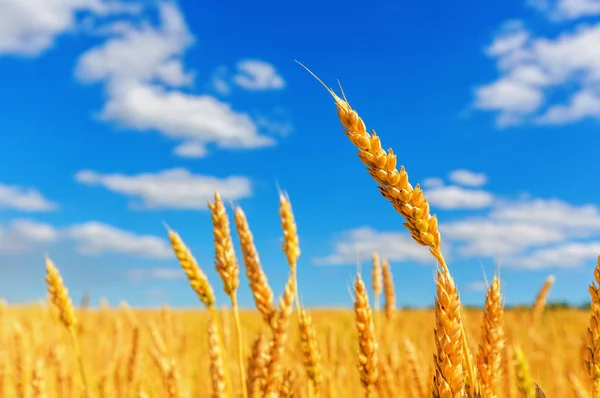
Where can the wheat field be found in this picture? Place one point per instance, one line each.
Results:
(284, 350)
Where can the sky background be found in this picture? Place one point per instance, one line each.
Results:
(117, 115)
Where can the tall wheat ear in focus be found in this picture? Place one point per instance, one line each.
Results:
(454, 368)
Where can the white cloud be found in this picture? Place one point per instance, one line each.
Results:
(433, 182)
(568, 66)
(154, 57)
(551, 213)
(258, 75)
(528, 232)
(482, 237)
(139, 274)
(30, 27)
(567, 9)
(468, 178)
(572, 254)
(454, 197)
(362, 242)
(96, 238)
(91, 238)
(23, 235)
(24, 199)
(174, 188)
(143, 71)
(197, 120)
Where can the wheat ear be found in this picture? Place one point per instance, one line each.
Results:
(388, 290)
(449, 379)
(259, 284)
(524, 380)
(290, 246)
(410, 202)
(592, 358)
(198, 280)
(310, 351)
(368, 363)
(257, 366)
(537, 308)
(489, 358)
(217, 363)
(61, 302)
(280, 335)
(228, 269)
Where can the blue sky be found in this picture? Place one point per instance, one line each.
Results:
(118, 115)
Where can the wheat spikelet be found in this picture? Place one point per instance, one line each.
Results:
(60, 300)
(492, 341)
(217, 365)
(197, 278)
(592, 357)
(286, 390)
(59, 296)
(368, 363)
(257, 366)
(376, 280)
(524, 380)
(225, 260)
(20, 362)
(310, 350)
(280, 335)
(228, 269)
(291, 247)
(449, 380)
(540, 301)
(388, 290)
(133, 360)
(259, 284)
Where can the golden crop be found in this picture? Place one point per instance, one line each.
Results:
(278, 351)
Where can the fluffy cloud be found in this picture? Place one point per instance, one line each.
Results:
(23, 235)
(454, 197)
(30, 27)
(91, 238)
(567, 9)
(468, 178)
(96, 238)
(484, 237)
(143, 72)
(433, 182)
(572, 254)
(531, 233)
(360, 243)
(531, 67)
(258, 75)
(24, 199)
(528, 232)
(169, 189)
